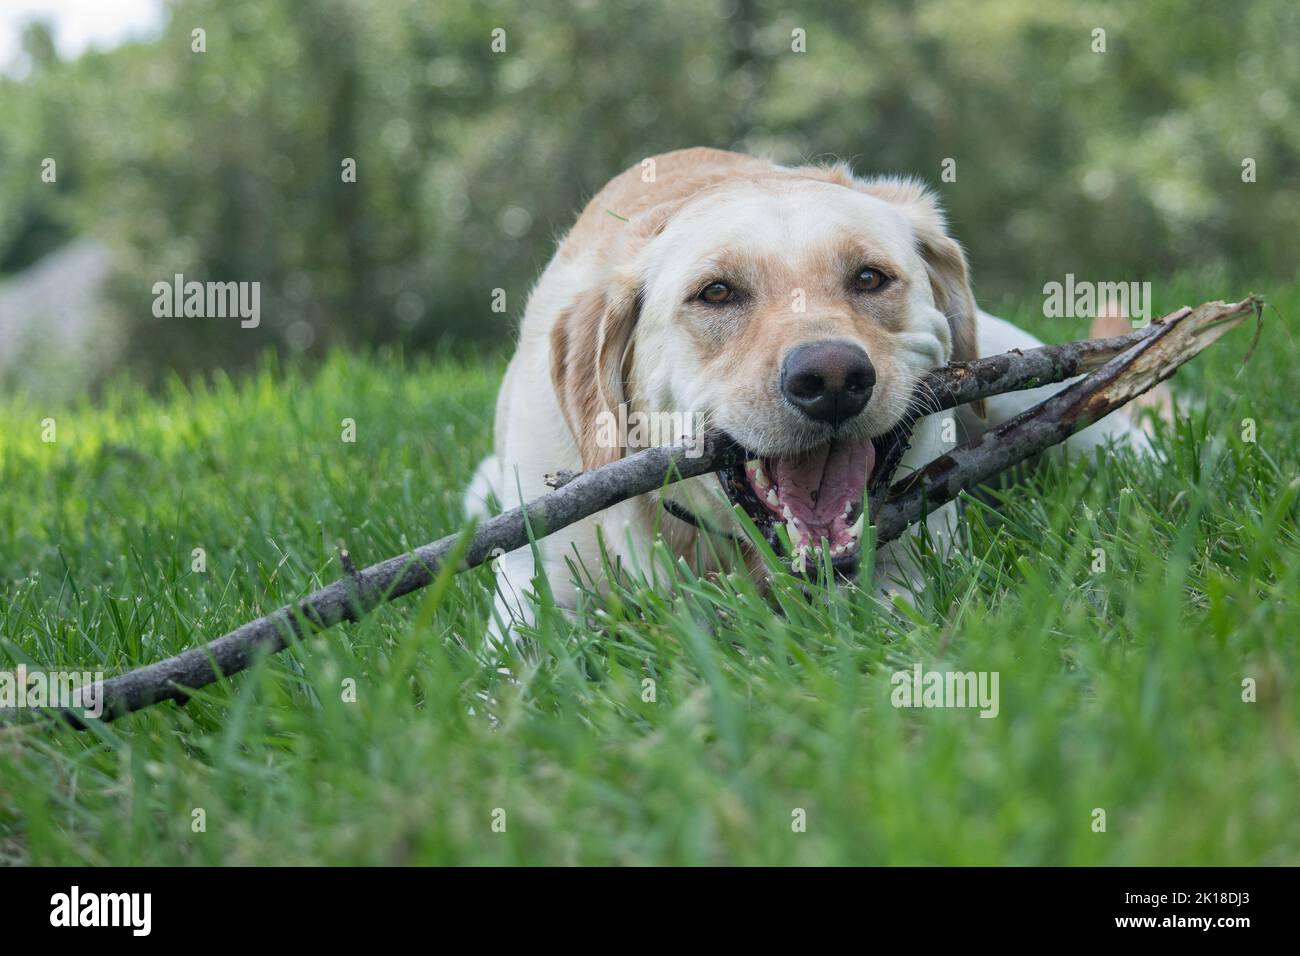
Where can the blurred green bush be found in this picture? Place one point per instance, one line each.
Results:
(226, 165)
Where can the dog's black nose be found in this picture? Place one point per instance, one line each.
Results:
(828, 381)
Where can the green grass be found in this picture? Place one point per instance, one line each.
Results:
(1120, 690)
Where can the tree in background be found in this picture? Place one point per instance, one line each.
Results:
(1122, 164)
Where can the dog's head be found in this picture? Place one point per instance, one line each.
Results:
(794, 310)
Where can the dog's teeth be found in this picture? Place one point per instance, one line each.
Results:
(792, 529)
(856, 531)
(787, 514)
(772, 499)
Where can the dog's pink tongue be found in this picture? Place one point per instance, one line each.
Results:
(816, 486)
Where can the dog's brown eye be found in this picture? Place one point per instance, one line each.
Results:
(868, 280)
(715, 293)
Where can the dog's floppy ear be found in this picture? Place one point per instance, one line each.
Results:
(591, 345)
(944, 261)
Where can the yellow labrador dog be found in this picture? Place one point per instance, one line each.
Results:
(793, 308)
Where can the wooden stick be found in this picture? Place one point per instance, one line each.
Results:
(1129, 365)
(360, 591)
(1153, 357)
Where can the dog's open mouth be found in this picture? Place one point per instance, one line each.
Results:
(815, 496)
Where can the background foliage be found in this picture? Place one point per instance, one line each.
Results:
(226, 165)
